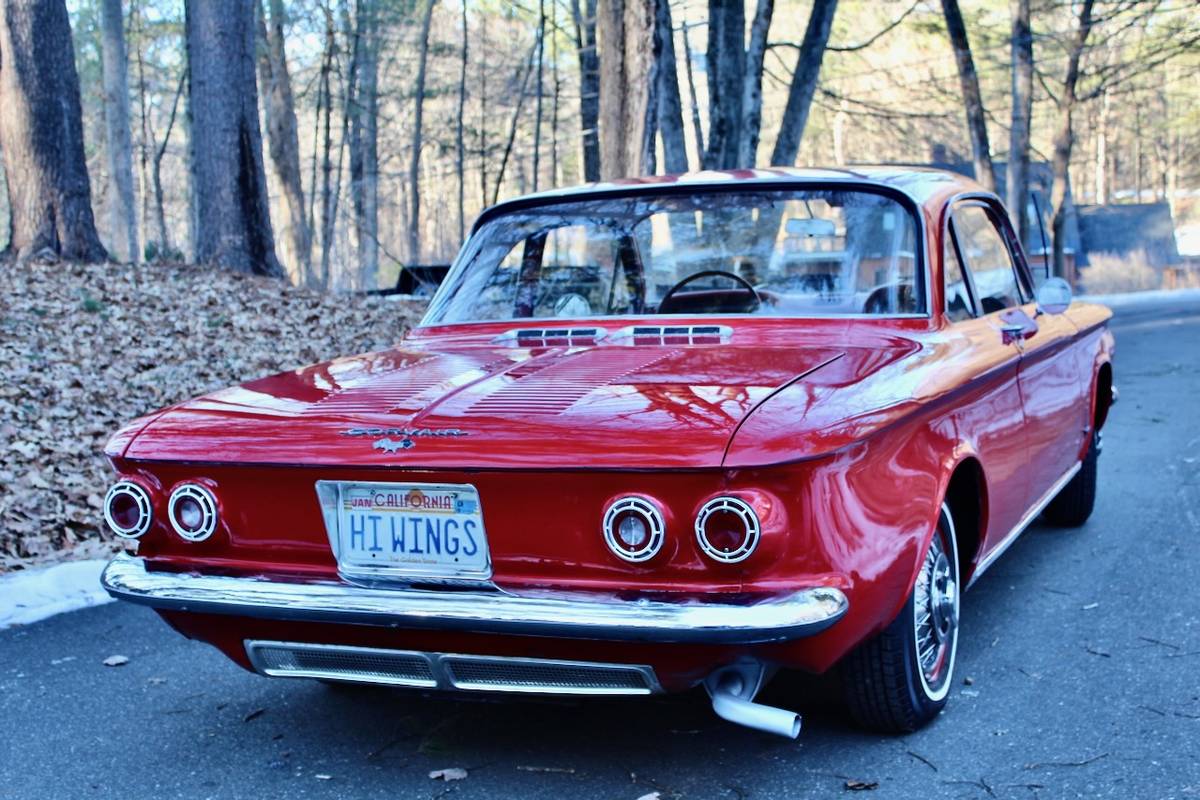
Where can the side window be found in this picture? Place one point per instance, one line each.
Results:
(987, 258)
(958, 296)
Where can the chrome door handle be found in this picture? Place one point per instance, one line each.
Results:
(1014, 332)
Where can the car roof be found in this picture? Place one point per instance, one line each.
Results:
(927, 188)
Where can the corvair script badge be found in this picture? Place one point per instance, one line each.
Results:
(407, 435)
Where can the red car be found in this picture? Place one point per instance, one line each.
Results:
(650, 435)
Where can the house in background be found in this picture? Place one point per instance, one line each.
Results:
(1141, 231)
(1038, 242)
(1126, 229)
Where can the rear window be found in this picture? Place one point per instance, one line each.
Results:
(779, 253)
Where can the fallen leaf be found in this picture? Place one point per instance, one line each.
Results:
(651, 796)
(74, 378)
(449, 774)
(116, 661)
(861, 786)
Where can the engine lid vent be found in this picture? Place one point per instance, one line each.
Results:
(674, 334)
(534, 337)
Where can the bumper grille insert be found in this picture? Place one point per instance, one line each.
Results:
(448, 671)
(529, 675)
(337, 662)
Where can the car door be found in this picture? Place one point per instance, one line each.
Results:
(990, 415)
(1047, 376)
(1054, 386)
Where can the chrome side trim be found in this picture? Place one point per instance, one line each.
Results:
(1025, 522)
(420, 670)
(578, 615)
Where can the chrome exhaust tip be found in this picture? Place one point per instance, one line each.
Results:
(733, 689)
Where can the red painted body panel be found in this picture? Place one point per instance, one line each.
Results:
(842, 433)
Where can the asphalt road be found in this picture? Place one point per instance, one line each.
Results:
(1082, 649)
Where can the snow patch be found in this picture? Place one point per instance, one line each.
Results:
(34, 594)
(1156, 297)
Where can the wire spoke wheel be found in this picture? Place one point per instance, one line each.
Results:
(935, 615)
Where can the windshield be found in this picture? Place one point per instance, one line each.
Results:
(778, 253)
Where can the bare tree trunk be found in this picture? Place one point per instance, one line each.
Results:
(328, 193)
(233, 222)
(804, 83)
(726, 67)
(525, 70)
(697, 128)
(483, 119)
(364, 143)
(625, 32)
(460, 146)
(556, 82)
(144, 137)
(589, 86)
(541, 86)
(981, 151)
(752, 85)
(160, 214)
(283, 136)
(414, 170)
(670, 105)
(1102, 156)
(116, 120)
(41, 134)
(1022, 113)
(1065, 137)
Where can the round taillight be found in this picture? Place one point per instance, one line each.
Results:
(727, 529)
(634, 529)
(127, 509)
(193, 512)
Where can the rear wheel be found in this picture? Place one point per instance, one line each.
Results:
(1072, 506)
(899, 680)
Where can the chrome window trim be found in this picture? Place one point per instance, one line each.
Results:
(1003, 223)
(577, 615)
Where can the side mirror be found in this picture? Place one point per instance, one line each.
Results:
(1053, 296)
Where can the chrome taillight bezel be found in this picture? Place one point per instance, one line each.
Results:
(656, 528)
(141, 496)
(208, 506)
(749, 517)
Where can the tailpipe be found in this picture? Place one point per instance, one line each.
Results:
(733, 689)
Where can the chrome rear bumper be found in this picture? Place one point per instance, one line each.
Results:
(578, 616)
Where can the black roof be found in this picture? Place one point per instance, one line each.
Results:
(1129, 227)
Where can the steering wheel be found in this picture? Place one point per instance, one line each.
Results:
(880, 301)
(710, 273)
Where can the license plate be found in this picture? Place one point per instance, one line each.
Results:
(411, 530)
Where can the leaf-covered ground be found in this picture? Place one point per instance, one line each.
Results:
(86, 349)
